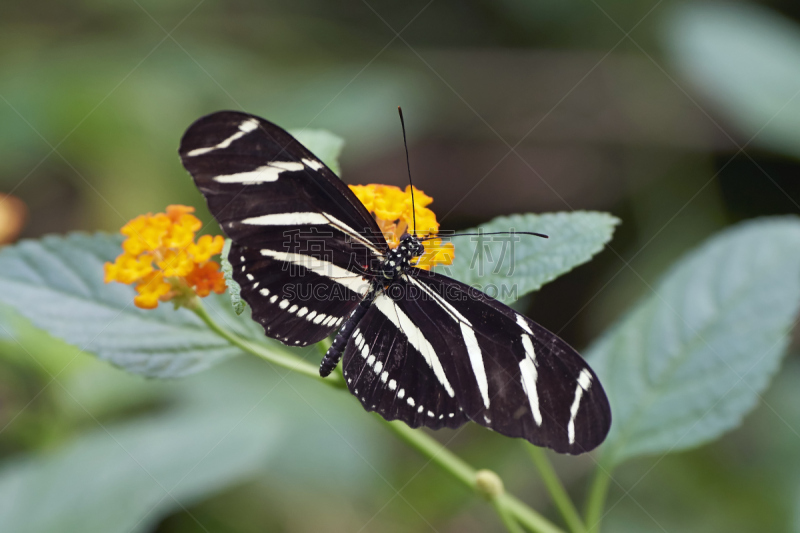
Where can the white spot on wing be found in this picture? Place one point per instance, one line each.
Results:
(264, 292)
(585, 379)
(273, 299)
(378, 367)
(245, 127)
(249, 125)
(291, 166)
(327, 269)
(521, 322)
(476, 360)
(401, 321)
(286, 219)
(284, 304)
(301, 313)
(410, 401)
(584, 382)
(529, 375)
(313, 165)
(392, 384)
(263, 174)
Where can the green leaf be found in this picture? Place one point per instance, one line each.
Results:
(234, 290)
(323, 144)
(307, 415)
(507, 270)
(743, 58)
(693, 358)
(126, 477)
(57, 283)
(7, 322)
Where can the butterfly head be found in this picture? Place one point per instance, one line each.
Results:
(399, 259)
(411, 245)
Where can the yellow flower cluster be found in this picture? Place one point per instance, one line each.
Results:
(392, 209)
(162, 258)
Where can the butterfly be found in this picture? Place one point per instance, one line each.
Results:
(417, 346)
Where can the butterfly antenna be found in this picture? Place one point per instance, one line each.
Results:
(493, 233)
(408, 166)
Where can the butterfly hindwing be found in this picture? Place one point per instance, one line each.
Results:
(298, 303)
(509, 374)
(388, 371)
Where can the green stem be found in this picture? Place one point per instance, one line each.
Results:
(597, 498)
(527, 516)
(463, 472)
(434, 451)
(557, 491)
(506, 516)
(287, 361)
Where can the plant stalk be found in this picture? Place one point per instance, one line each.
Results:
(597, 498)
(560, 497)
(287, 361)
(463, 472)
(506, 516)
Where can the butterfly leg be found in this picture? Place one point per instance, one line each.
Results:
(334, 353)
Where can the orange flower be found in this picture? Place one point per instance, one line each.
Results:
(161, 257)
(207, 278)
(393, 211)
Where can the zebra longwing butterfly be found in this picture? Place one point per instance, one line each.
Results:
(418, 346)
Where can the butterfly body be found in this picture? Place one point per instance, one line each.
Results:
(396, 264)
(415, 345)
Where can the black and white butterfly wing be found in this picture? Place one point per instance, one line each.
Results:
(395, 373)
(298, 299)
(303, 243)
(506, 372)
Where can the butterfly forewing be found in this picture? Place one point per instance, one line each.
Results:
(259, 181)
(303, 241)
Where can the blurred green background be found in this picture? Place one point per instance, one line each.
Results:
(680, 118)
